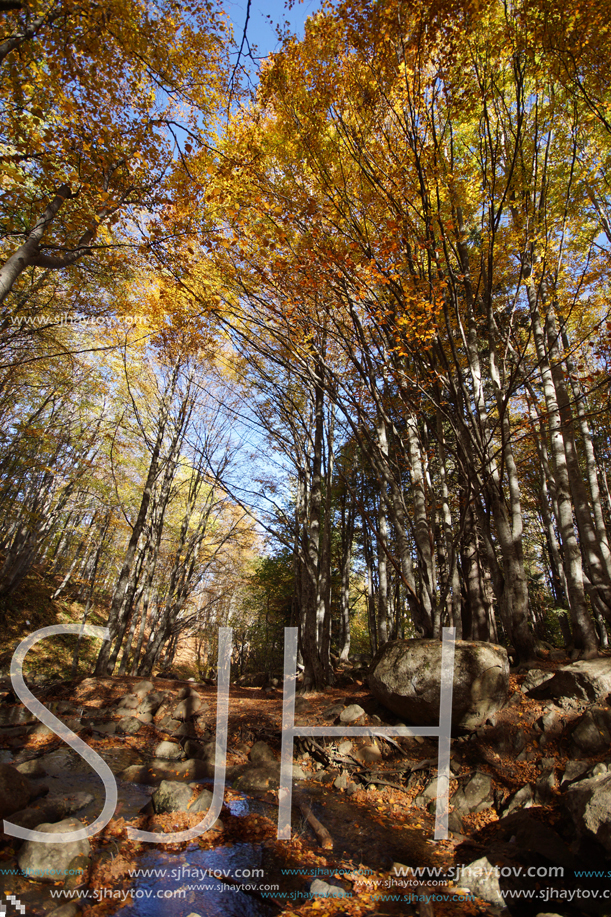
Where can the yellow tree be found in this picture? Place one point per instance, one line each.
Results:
(99, 103)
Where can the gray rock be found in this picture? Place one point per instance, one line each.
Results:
(368, 753)
(551, 722)
(261, 754)
(521, 799)
(46, 731)
(430, 790)
(259, 779)
(589, 802)
(302, 705)
(53, 809)
(187, 707)
(202, 803)
(151, 703)
(169, 750)
(573, 771)
(205, 751)
(480, 878)
(533, 836)
(16, 716)
(172, 796)
(545, 785)
(180, 730)
(143, 687)
(32, 769)
(535, 678)
(129, 702)
(351, 714)
(519, 741)
(108, 729)
(585, 680)
(16, 791)
(344, 748)
(591, 736)
(160, 769)
(70, 909)
(323, 890)
(332, 712)
(475, 796)
(341, 782)
(129, 725)
(405, 677)
(50, 862)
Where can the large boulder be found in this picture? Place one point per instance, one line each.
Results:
(589, 802)
(15, 790)
(405, 676)
(51, 862)
(585, 680)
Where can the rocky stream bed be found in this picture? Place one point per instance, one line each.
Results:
(530, 793)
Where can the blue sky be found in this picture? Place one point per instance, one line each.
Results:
(265, 15)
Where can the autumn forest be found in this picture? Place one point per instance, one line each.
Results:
(331, 352)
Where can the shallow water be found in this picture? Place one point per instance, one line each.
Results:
(184, 887)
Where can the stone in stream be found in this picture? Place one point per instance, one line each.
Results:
(169, 750)
(262, 777)
(50, 862)
(261, 754)
(16, 791)
(481, 878)
(53, 809)
(159, 769)
(70, 909)
(32, 769)
(405, 677)
(324, 890)
(172, 796)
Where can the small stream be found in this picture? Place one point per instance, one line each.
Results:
(184, 883)
(184, 887)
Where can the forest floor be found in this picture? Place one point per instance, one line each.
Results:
(373, 826)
